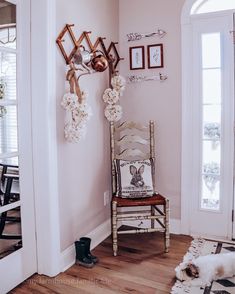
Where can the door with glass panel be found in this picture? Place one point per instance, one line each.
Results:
(213, 117)
(17, 224)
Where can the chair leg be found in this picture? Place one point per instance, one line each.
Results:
(167, 231)
(152, 213)
(114, 227)
(3, 217)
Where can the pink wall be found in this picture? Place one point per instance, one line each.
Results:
(84, 168)
(154, 100)
(84, 171)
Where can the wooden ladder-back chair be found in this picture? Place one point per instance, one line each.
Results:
(131, 141)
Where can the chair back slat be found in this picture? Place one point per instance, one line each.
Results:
(130, 125)
(128, 154)
(132, 139)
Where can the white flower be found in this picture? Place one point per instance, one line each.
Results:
(73, 133)
(77, 115)
(82, 114)
(118, 83)
(111, 96)
(85, 111)
(113, 112)
(70, 101)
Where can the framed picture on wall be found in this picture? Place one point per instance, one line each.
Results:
(137, 57)
(155, 56)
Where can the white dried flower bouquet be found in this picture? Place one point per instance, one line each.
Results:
(111, 96)
(77, 115)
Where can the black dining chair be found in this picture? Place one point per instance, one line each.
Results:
(8, 192)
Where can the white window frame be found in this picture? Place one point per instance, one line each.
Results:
(194, 10)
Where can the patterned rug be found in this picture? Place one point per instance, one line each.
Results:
(203, 247)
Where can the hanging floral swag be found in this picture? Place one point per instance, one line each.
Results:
(113, 111)
(78, 112)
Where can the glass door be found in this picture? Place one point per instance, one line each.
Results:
(213, 106)
(233, 220)
(17, 225)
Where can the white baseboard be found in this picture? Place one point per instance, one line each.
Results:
(67, 258)
(100, 233)
(175, 226)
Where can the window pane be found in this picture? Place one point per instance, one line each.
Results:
(211, 86)
(211, 154)
(7, 24)
(210, 193)
(8, 129)
(7, 75)
(9, 166)
(211, 52)
(8, 37)
(202, 6)
(212, 113)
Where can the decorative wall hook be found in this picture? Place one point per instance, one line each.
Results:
(138, 36)
(141, 78)
(111, 54)
(95, 58)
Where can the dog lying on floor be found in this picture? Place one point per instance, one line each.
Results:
(203, 270)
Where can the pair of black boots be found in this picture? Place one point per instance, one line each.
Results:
(83, 253)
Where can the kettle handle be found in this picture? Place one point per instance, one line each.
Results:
(96, 51)
(83, 47)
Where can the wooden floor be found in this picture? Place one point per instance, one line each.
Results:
(140, 267)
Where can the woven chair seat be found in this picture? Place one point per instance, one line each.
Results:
(156, 199)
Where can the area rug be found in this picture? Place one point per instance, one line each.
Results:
(203, 247)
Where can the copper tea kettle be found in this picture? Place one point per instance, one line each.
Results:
(99, 62)
(82, 56)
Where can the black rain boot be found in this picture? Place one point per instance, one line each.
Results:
(88, 252)
(81, 256)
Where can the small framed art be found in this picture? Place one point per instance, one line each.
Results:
(137, 57)
(155, 56)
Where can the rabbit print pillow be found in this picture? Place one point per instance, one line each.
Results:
(135, 178)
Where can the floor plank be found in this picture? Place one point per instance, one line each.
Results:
(140, 267)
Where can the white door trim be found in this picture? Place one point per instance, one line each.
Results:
(43, 46)
(187, 113)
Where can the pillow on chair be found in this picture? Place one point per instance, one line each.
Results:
(134, 178)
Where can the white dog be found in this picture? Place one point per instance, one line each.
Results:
(205, 269)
